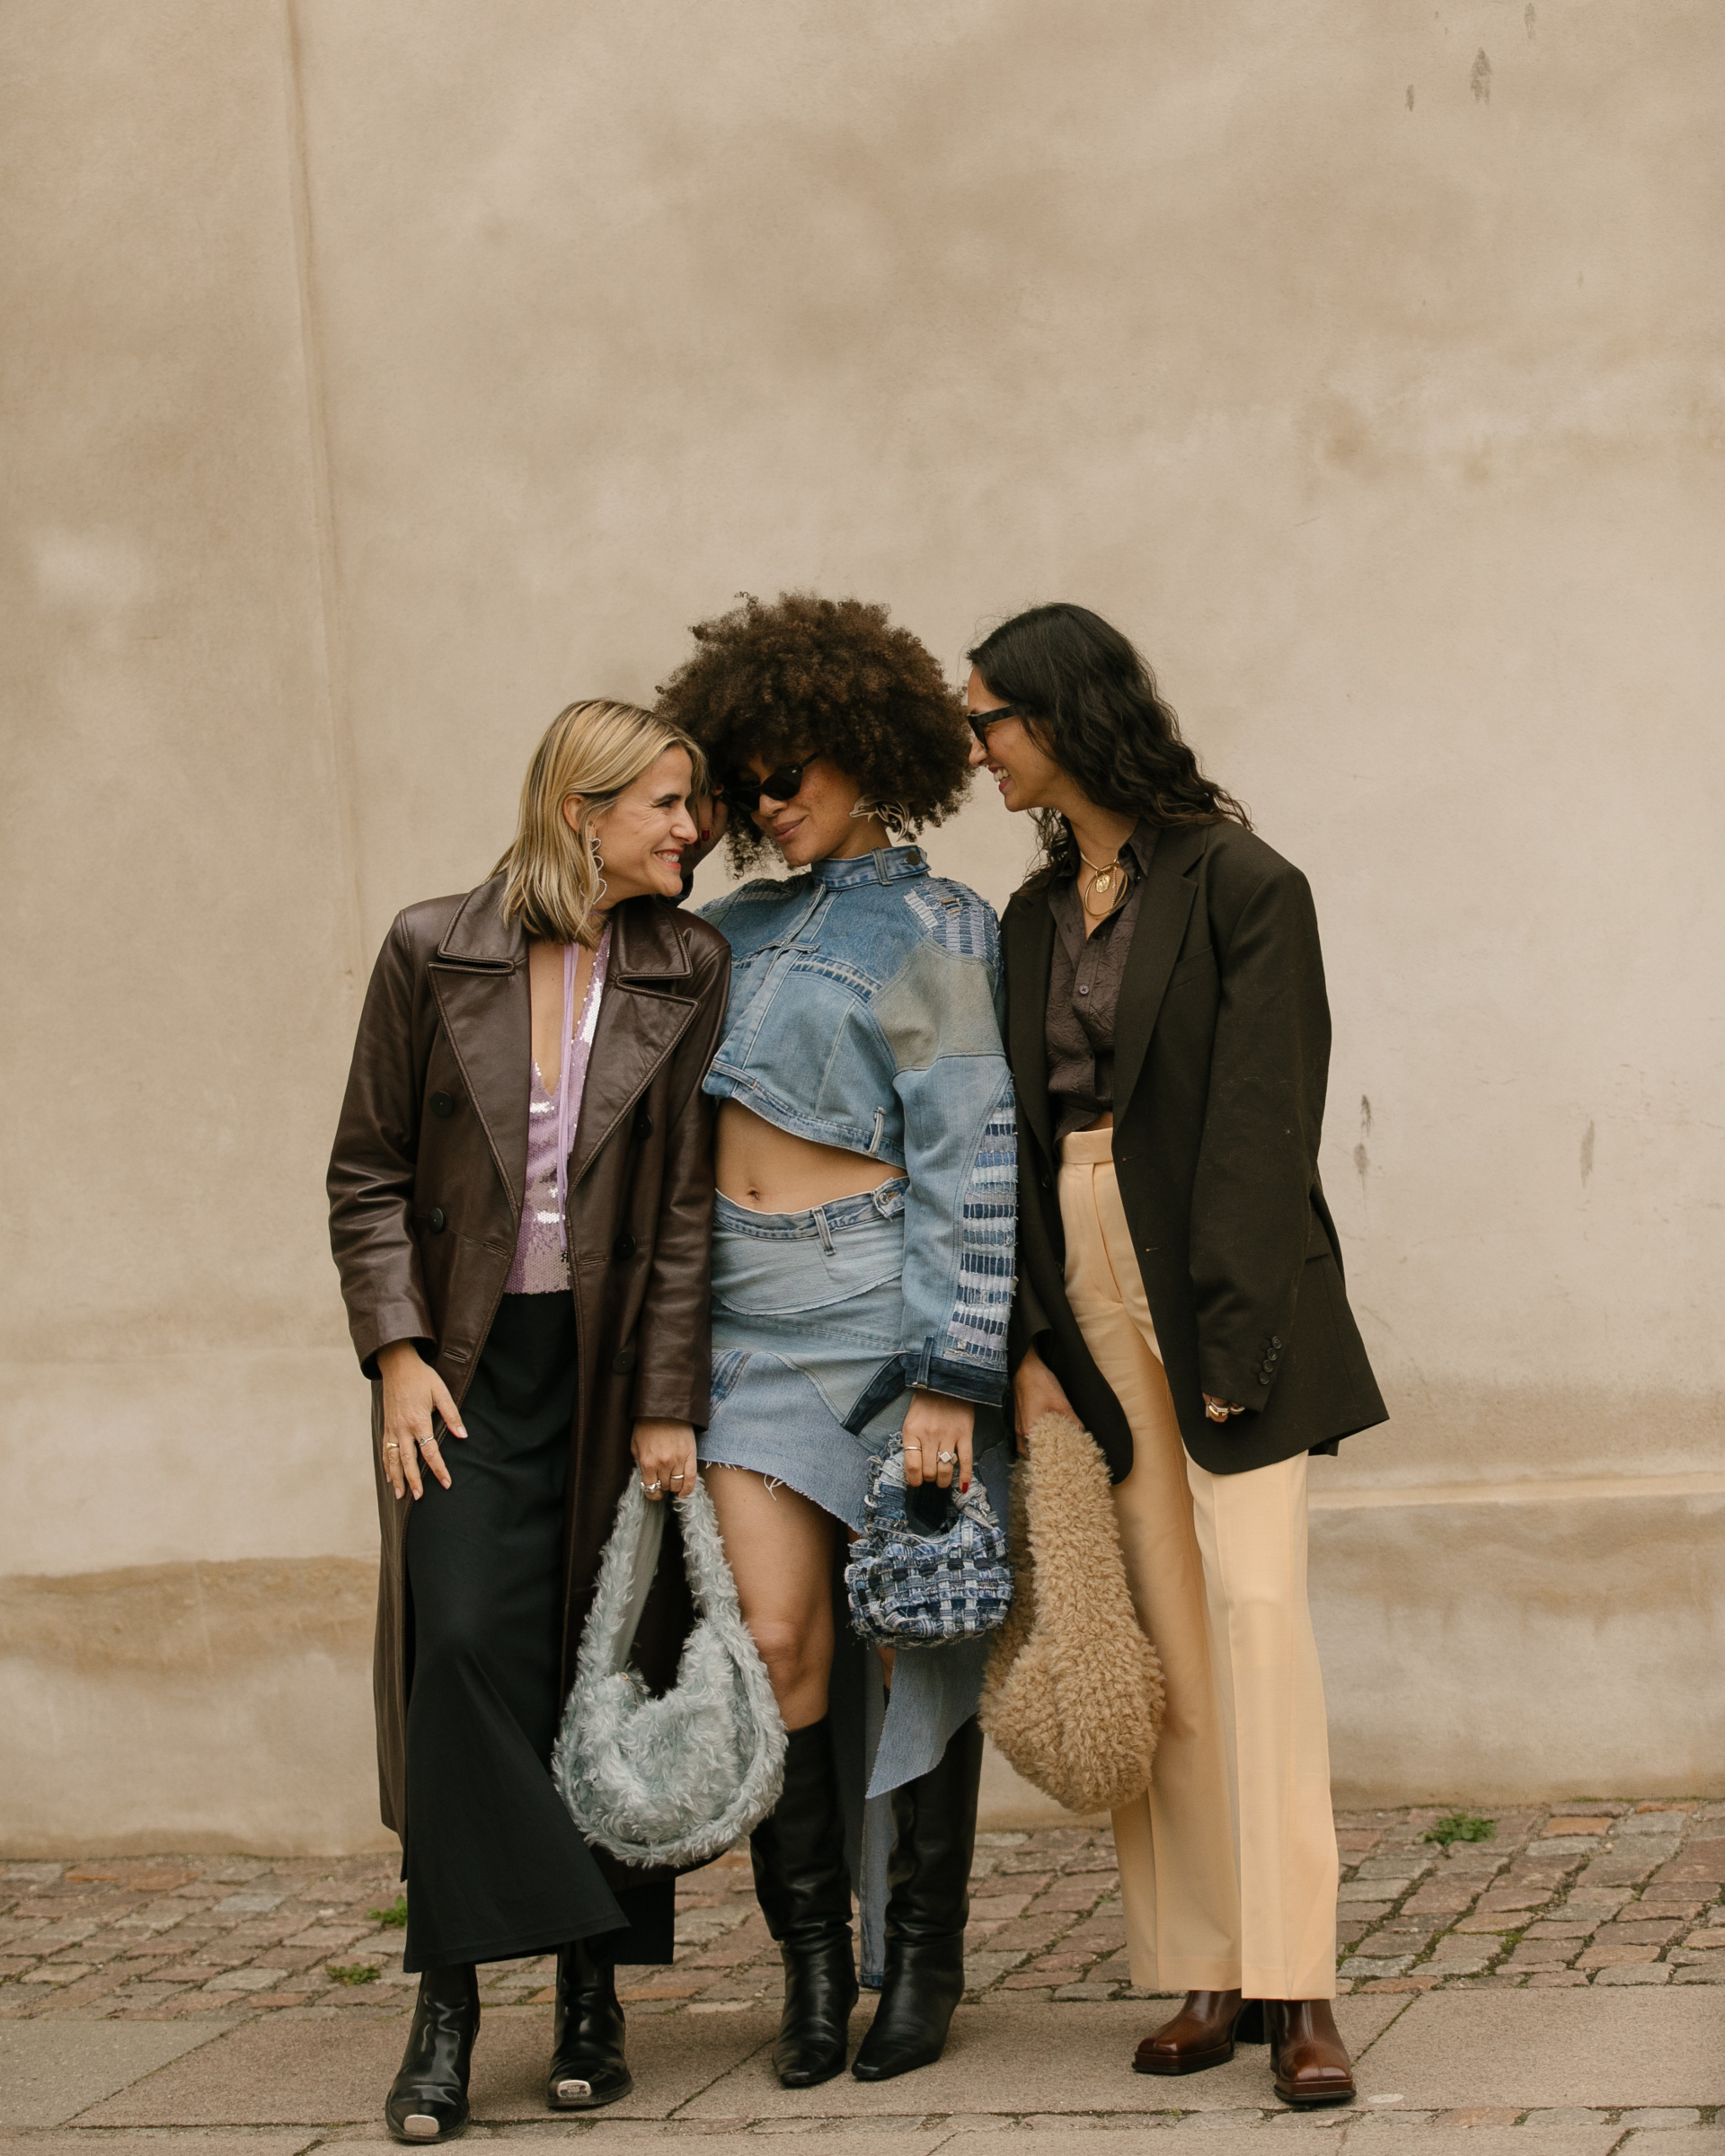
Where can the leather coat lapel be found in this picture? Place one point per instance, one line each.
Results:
(1163, 911)
(480, 978)
(641, 1019)
(1027, 933)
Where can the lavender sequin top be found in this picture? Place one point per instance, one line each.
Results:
(541, 1265)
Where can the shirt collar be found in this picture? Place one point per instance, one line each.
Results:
(890, 864)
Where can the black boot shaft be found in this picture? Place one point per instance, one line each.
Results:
(804, 1890)
(587, 2066)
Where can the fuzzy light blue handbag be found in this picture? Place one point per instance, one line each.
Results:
(929, 1564)
(676, 1779)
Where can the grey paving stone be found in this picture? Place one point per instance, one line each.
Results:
(334, 2071)
(1036, 2057)
(1584, 2046)
(1373, 2138)
(1660, 2117)
(1698, 2141)
(50, 2070)
(183, 2143)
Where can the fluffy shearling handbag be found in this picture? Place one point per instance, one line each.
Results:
(1073, 1695)
(675, 1779)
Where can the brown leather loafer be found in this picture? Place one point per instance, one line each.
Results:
(1201, 2034)
(1306, 2052)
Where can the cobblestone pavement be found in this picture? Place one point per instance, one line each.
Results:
(1615, 1893)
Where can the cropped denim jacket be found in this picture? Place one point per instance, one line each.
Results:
(866, 1004)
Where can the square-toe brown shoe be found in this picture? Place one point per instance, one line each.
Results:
(1200, 2035)
(1310, 2060)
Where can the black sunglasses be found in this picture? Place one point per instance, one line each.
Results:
(784, 784)
(980, 721)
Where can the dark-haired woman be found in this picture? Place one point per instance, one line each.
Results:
(1181, 1294)
(861, 1278)
(520, 1199)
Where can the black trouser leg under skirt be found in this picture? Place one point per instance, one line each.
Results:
(495, 1868)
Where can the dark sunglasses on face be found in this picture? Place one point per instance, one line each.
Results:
(743, 790)
(980, 721)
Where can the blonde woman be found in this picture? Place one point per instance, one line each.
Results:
(521, 1200)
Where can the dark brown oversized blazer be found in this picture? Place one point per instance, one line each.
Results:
(1221, 1050)
(426, 1185)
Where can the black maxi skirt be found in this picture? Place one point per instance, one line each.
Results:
(495, 1868)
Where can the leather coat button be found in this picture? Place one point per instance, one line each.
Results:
(437, 1220)
(623, 1361)
(443, 1104)
(624, 1247)
(644, 1127)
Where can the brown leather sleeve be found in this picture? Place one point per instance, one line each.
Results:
(372, 1166)
(674, 1337)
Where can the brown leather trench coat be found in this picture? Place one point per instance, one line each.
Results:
(426, 1184)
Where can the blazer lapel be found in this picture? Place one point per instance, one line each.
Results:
(1156, 938)
(641, 1019)
(480, 978)
(1027, 938)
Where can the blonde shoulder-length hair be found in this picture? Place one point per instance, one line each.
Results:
(593, 750)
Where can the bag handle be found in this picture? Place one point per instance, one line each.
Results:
(630, 1563)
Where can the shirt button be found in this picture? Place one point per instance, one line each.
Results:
(1084, 991)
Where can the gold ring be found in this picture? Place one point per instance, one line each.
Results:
(392, 1446)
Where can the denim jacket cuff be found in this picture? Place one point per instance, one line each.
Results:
(960, 1381)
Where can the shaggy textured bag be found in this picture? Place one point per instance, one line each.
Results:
(676, 1779)
(913, 1586)
(1073, 1695)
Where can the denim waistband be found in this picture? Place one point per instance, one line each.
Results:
(819, 1223)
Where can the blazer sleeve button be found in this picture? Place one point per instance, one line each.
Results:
(437, 1220)
(624, 1247)
(623, 1362)
(443, 1104)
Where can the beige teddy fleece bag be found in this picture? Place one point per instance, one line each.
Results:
(1073, 1696)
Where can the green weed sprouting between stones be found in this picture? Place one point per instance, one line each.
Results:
(352, 1972)
(395, 1916)
(1462, 1827)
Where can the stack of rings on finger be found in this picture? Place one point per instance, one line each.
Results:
(652, 1489)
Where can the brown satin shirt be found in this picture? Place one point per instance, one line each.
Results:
(1085, 992)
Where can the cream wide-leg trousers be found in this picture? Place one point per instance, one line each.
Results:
(1228, 1865)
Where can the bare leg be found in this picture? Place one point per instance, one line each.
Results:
(780, 1549)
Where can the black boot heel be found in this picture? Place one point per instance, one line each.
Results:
(587, 2068)
(804, 1890)
(1252, 2028)
(427, 2099)
(927, 1908)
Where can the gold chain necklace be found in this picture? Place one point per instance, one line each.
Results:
(1103, 885)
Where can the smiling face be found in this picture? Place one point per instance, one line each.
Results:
(644, 831)
(815, 824)
(1027, 775)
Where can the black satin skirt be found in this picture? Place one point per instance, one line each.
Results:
(494, 1866)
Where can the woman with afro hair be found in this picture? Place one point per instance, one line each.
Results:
(863, 1275)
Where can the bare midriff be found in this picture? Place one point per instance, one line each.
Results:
(768, 1171)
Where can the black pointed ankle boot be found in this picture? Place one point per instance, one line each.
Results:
(804, 1890)
(927, 1908)
(427, 2099)
(587, 2068)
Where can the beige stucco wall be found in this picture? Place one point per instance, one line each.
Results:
(380, 375)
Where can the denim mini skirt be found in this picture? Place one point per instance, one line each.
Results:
(806, 1309)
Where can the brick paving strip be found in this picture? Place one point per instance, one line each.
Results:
(1606, 1893)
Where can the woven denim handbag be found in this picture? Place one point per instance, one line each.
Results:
(913, 1584)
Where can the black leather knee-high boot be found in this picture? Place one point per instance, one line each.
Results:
(587, 2068)
(928, 1906)
(804, 1890)
(427, 2099)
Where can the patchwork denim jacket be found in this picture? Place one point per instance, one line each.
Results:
(866, 1005)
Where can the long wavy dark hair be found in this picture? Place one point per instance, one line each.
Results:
(1095, 709)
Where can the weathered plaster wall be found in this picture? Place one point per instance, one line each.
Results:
(381, 376)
